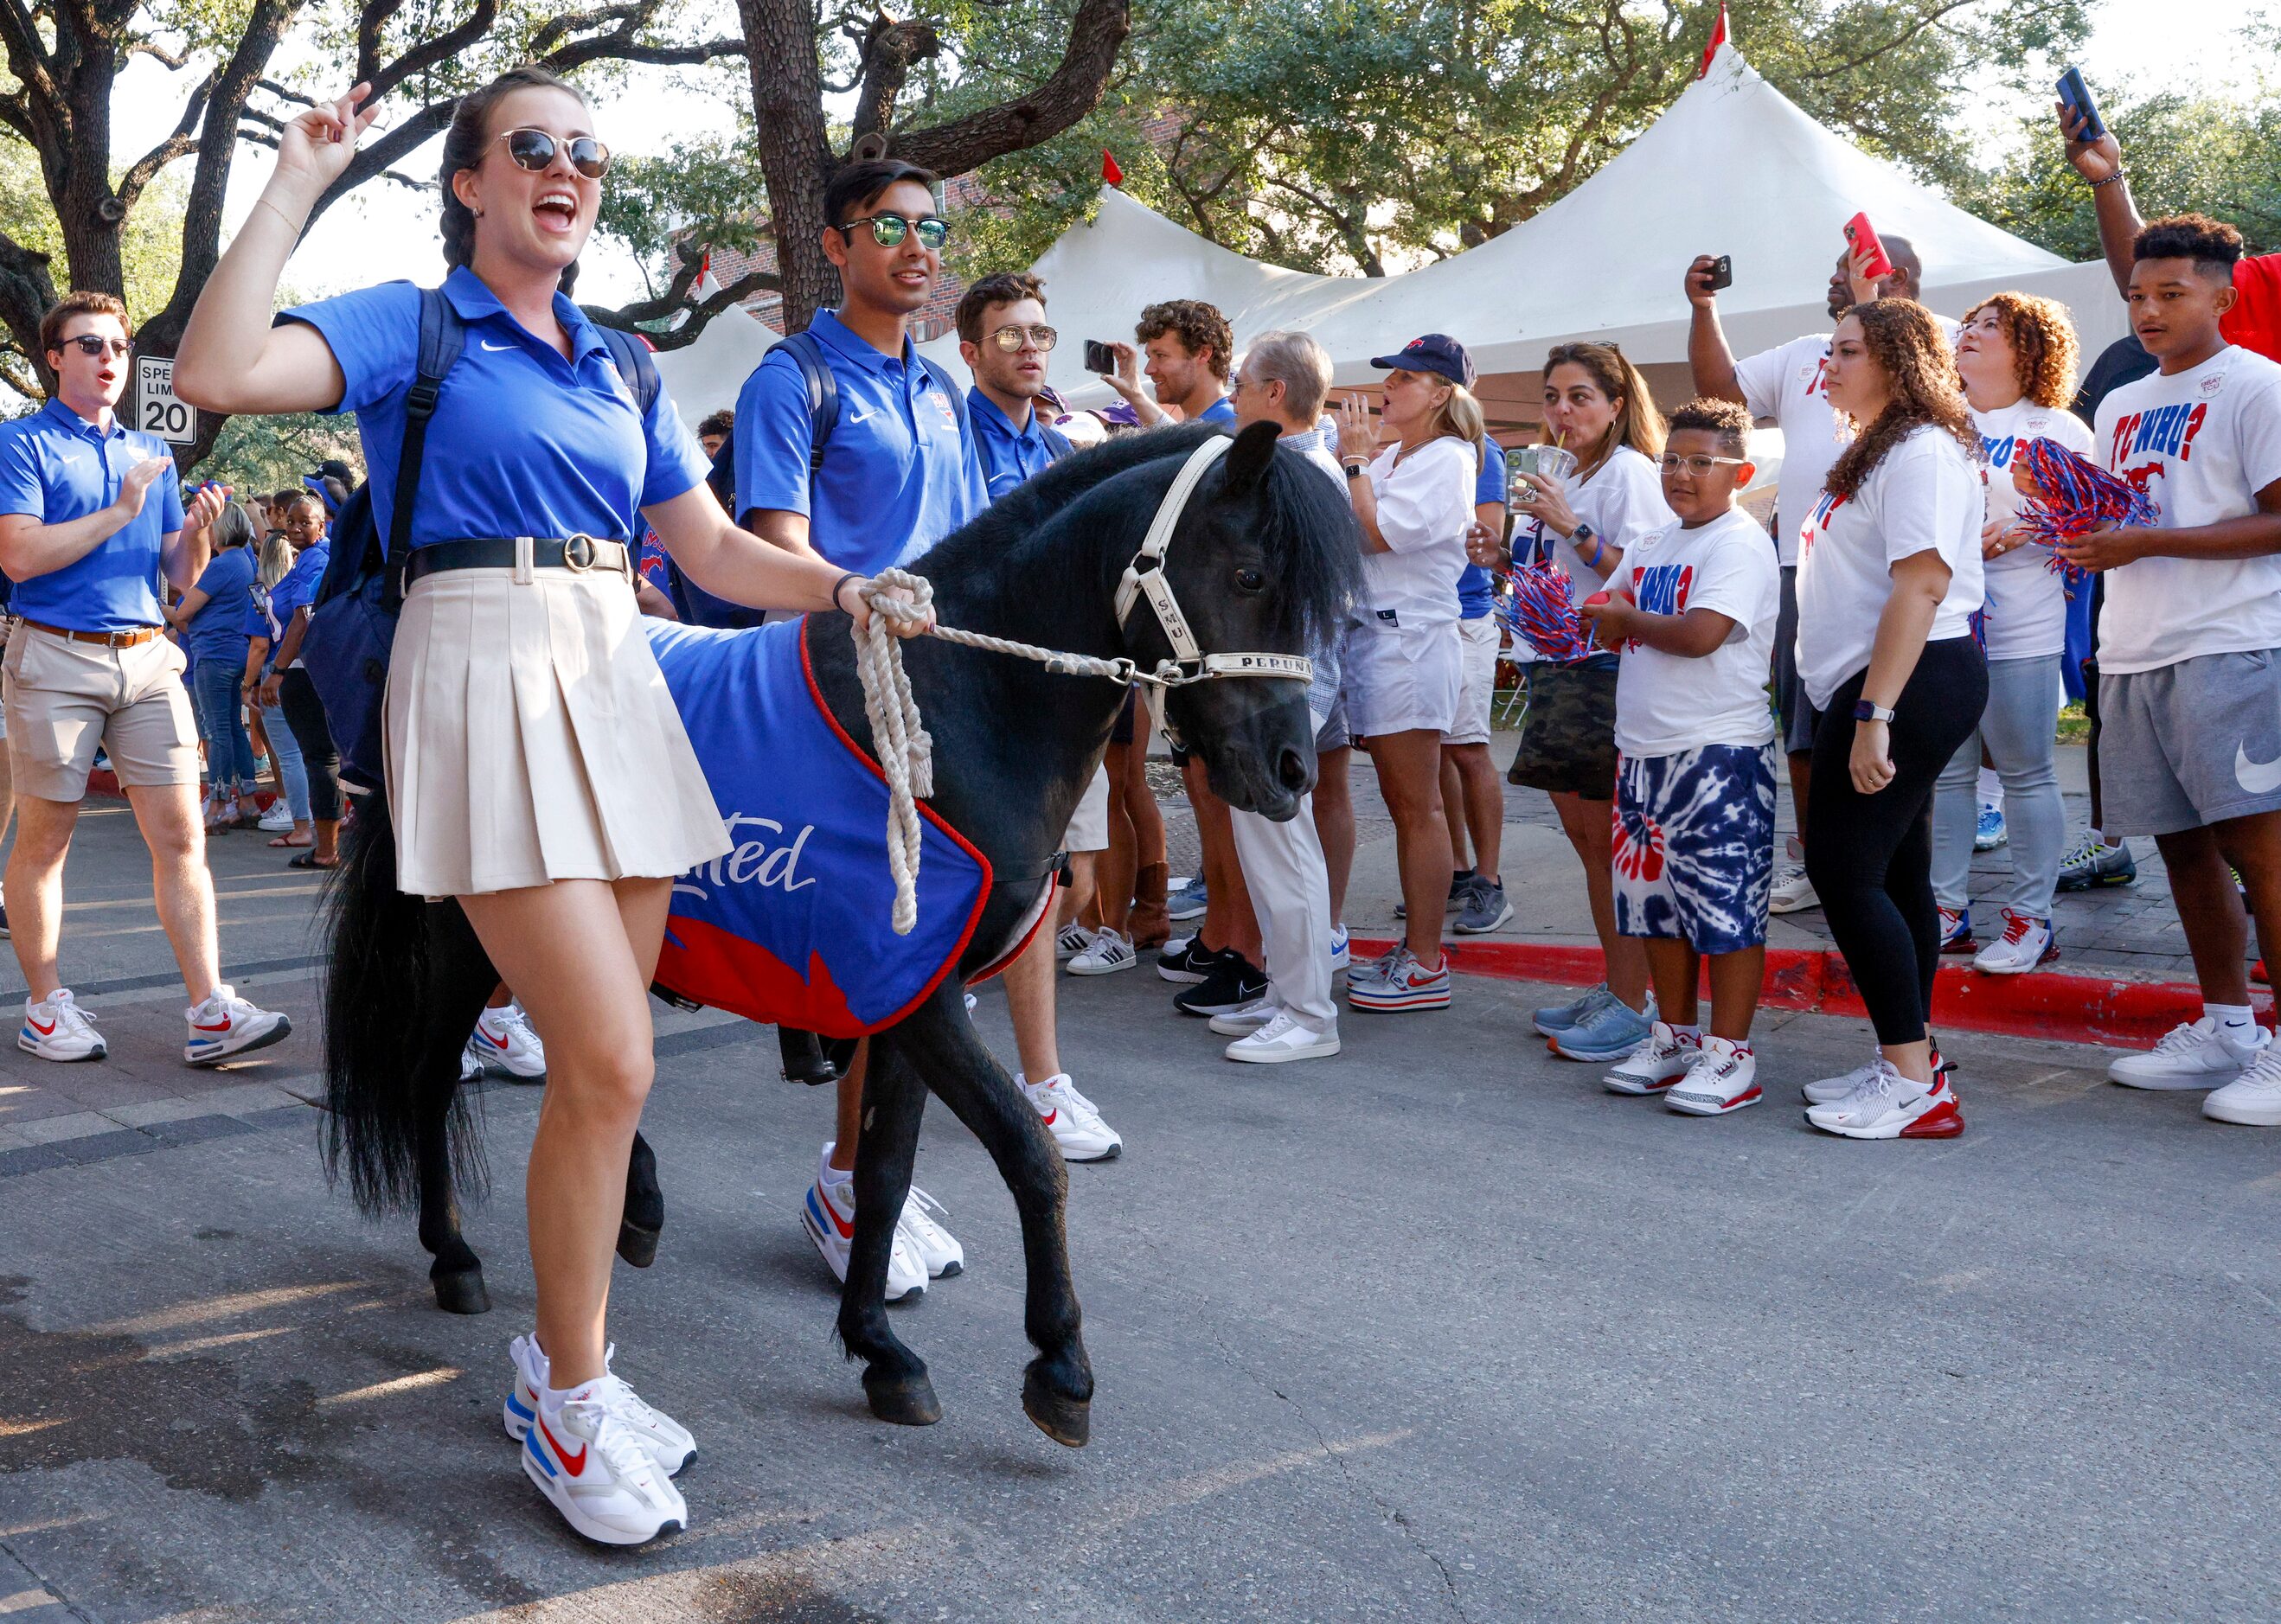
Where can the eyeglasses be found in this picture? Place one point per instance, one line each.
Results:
(94, 346)
(888, 230)
(535, 149)
(1010, 337)
(1672, 462)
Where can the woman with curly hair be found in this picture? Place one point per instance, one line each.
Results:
(2017, 357)
(1888, 577)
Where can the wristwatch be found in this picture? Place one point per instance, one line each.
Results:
(1870, 710)
(1356, 470)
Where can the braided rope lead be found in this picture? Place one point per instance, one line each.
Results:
(904, 748)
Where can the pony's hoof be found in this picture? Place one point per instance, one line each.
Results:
(636, 1245)
(1063, 1419)
(907, 1401)
(461, 1291)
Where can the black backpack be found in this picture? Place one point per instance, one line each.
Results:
(353, 618)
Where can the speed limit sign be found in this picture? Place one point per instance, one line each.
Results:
(165, 413)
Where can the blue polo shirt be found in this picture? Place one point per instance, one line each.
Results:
(897, 475)
(55, 465)
(1009, 456)
(523, 442)
(218, 630)
(299, 588)
(1221, 411)
(1476, 592)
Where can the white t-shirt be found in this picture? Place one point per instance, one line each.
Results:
(1425, 506)
(2201, 443)
(1924, 496)
(1786, 383)
(2026, 612)
(1670, 703)
(1622, 499)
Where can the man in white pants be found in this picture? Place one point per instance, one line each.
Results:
(1284, 379)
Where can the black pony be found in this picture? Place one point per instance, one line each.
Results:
(1265, 559)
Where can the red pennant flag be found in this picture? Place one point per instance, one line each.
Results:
(1110, 173)
(1718, 38)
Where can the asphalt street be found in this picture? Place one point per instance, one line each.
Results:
(1435, 1329)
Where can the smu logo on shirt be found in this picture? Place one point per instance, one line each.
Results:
(1817, 522)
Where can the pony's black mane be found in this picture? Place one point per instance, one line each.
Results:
(1310, 539)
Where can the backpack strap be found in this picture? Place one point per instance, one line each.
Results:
(636, 365)
(442, 337)
(823, 394)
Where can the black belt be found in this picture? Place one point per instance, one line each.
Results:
(577, 554)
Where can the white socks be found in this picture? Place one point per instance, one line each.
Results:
(2237, 1023)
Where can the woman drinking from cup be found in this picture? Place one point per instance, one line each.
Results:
(1579, 499)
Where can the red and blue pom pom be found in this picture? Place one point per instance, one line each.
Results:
(1537, 607)
(2072, 496)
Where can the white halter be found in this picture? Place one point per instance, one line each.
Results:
(1144, 577)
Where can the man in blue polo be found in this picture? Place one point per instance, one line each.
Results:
(898, 473)
(1003, 339)
(92, 525)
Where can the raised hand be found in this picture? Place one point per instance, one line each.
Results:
(2093, 160)
(1699, 291)
(205, 506)
(316, 147)
(135, 484)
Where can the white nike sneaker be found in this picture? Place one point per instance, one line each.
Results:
(828, 1214)
(1724, 1078)
(1073, 940)
(2253, 1098)
(665, 1441)
(2196, 1055)
(1071, 1119)
(60, 1030)
(939, 1250)
(1283, 1039)
(279, 819)
(1661, 1060)
(1243, 1022)
(592, 1468)
(503, 1038)
(1889, 1106)
(226, 1026)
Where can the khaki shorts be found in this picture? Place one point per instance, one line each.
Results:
(1477, 649)
(1088, 827)
(65, 698)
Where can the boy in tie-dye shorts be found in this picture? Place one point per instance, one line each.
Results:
(1692, 612)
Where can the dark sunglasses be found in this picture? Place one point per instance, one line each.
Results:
(535, 149)
(888, 230)
(94, 345)
(1010, 337)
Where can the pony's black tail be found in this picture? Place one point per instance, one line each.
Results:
(392, 1100)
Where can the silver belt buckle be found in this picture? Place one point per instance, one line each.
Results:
(578, 552)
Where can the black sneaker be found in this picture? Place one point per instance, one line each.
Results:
(1190, 963)
(1235, 982)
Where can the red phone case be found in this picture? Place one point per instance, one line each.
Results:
(1861, 235)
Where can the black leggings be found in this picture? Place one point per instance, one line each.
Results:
(305, 714)
(1870, 856)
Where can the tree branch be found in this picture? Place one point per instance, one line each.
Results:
(176, 60)
(141, 171)
(1893, 44)
(1072, 91)
(889, 47)
(701, 314)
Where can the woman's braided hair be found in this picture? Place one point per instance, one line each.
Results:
(1904, 340)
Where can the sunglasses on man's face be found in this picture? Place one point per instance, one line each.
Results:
(534, 150)
(94, 346)
(888, 230)
(1010, 337)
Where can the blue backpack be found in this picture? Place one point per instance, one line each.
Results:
(353, 618)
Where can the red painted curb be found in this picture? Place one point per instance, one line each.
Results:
(2075, 1009)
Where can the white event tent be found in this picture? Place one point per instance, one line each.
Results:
(1732, 168)
(705, 375)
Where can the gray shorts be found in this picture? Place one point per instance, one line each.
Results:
(2190, 744)
(1798, 714)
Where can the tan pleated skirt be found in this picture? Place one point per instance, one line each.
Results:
(531, 738)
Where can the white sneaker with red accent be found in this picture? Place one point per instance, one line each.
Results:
(592, 1468)
(503, 1038)
(1662, 1060)
(1889, 1106)
(58, 1029)
(1832, 1089)
(828, 1214)
(1724, 1078)
(226, 1026)
(1072, 1120)
(2027, 942)
(665, 1441)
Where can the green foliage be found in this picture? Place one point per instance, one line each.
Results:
(707, 192)
(272, 453)
(2215, 155)
(152, 244)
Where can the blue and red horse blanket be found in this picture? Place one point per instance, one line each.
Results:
(791, 926)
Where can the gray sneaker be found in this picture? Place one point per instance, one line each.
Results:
(1611, 1032)
(2091, 863)
(1552, 1021)
(1485, 908)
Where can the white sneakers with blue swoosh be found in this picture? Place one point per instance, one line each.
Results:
(603, 1458)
